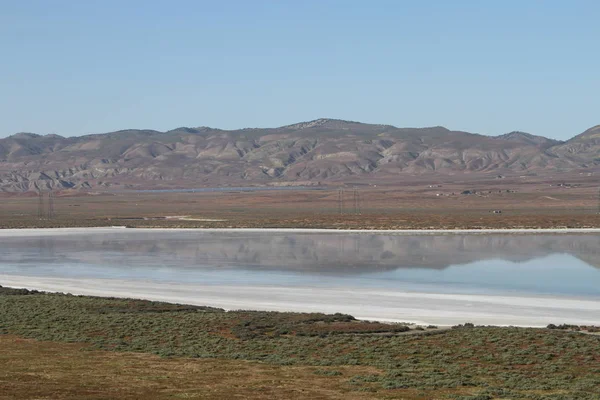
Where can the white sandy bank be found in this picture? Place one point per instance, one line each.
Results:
(116, 229)
(386, 305)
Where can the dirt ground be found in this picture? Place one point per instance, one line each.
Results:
(48, 370)
(71, 371)
(419, 206)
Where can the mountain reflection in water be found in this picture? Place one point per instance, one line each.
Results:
(335, 253)
(545, 262)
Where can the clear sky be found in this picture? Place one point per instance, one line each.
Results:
(78, 67)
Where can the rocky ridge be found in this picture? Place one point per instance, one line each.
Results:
(320, 151)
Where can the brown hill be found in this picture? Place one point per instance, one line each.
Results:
(583, 150)
(324, 150)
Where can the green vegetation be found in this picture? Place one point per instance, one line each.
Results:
(578, 328)
(467, 362)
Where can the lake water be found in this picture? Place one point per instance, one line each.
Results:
(325, 270)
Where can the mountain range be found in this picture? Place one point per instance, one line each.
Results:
(315, 152)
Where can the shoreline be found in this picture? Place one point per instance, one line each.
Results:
(53, 231)
(386, 305)
(364, 304)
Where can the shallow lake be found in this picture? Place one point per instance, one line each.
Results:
(557, 276)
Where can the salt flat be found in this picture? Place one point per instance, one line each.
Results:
(370, 304)
(76, 231)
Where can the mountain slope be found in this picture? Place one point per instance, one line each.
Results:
(323, 150)
(582, 150)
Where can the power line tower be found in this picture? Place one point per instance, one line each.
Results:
(356, 198)
(598, 200)
(341, 200)
(50, 205)
(40, 204)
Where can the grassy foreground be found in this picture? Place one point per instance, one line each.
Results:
(161, 350)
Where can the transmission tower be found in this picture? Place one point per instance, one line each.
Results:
(598, 200)
(356, 198)
(50, 205)
(341, 200)
(40, 204)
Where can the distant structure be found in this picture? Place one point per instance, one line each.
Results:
(598, 200)
(341, 200)
(40, 204)
(356, 201)
(43, 212)
(51, 205)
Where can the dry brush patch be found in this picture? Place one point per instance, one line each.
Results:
(37, 369)
(480, 362)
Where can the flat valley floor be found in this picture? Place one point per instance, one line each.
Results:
(522, 203)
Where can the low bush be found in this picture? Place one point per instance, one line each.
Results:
(518, 363)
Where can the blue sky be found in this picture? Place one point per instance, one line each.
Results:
(77, 67)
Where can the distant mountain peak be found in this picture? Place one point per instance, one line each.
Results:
(594, 130)
(524, 137)
(24, 135)
(331, 123)
(515, 134)
(311, 124)
(185, 129)
(592, 134)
